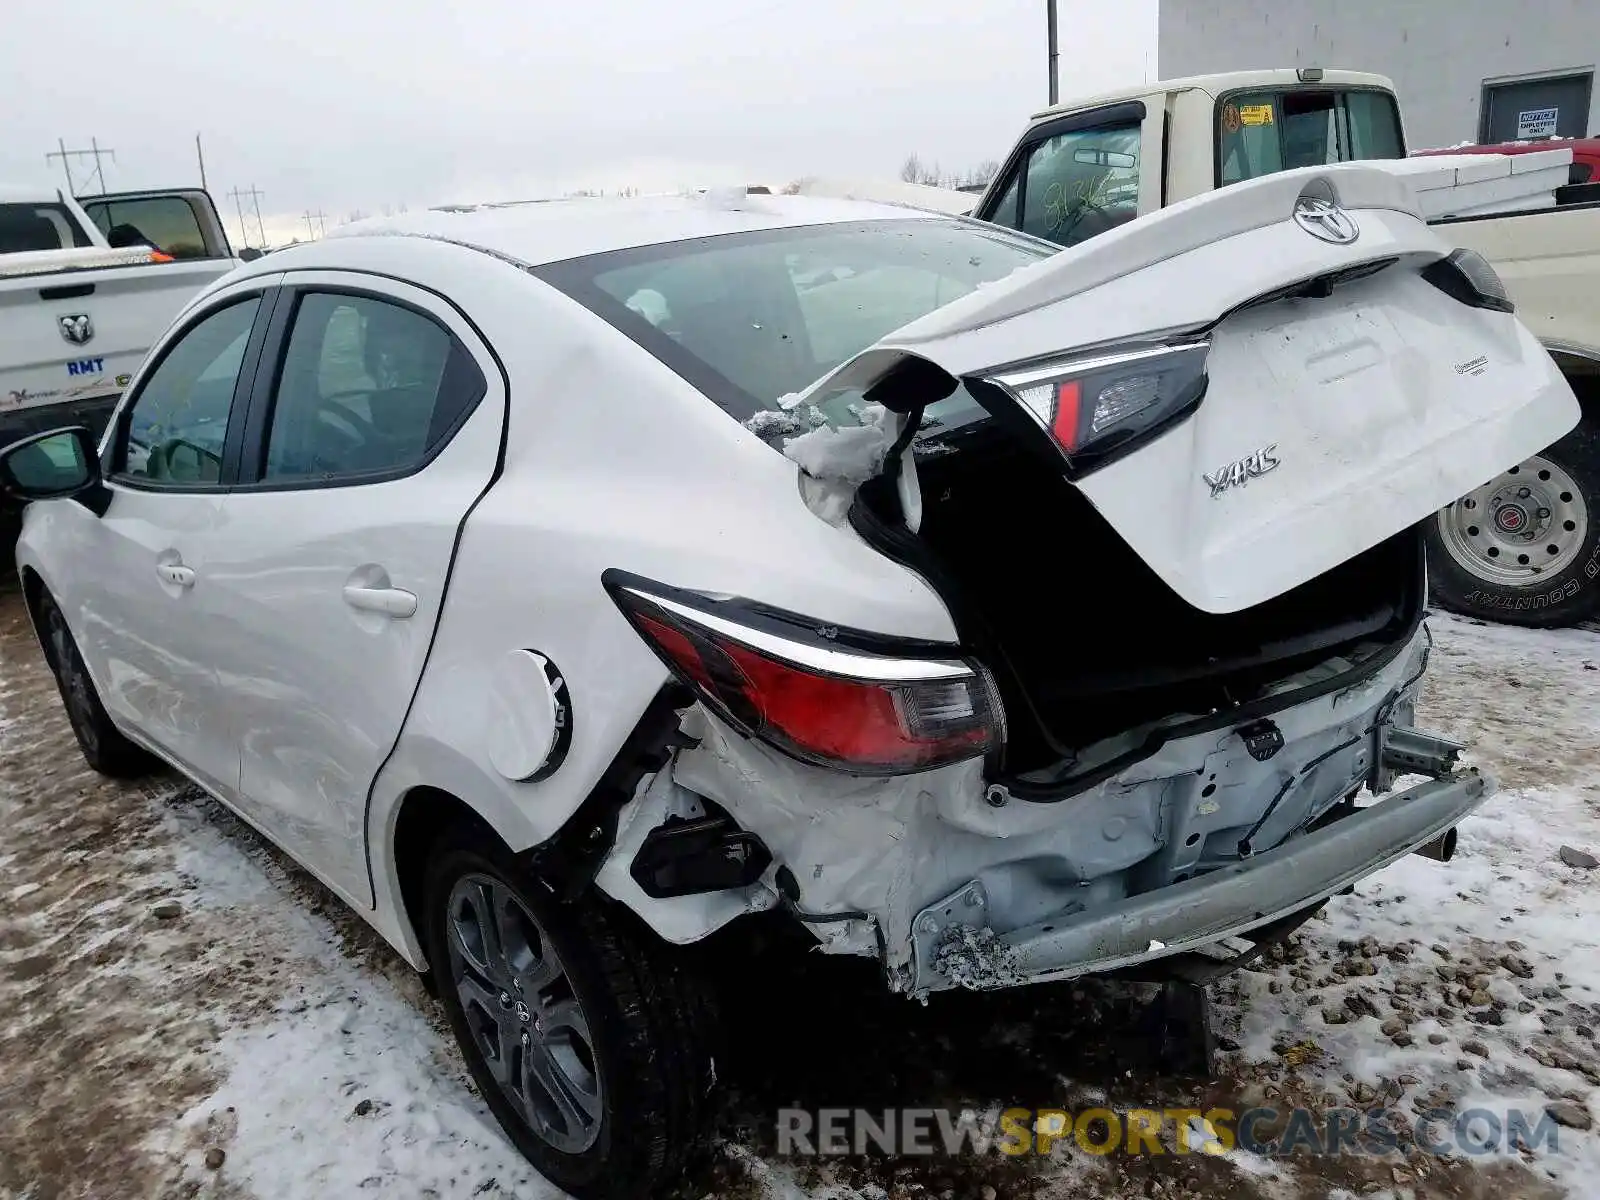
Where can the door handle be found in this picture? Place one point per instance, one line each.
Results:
(173, 573)
(391, 601)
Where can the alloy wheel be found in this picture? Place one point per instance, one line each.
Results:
(523, 1013)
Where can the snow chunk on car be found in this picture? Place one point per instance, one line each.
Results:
(853, 454)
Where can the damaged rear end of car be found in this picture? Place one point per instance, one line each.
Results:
(1168, 486)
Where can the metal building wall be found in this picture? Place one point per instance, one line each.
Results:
(1438, 52)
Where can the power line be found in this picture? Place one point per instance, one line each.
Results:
(94, 151)
(321, 219)
(255, 195)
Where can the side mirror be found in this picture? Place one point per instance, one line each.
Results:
(50, 466)
(249, 254)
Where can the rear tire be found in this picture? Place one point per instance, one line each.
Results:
(104, 748)
(1524, 549)
(588, 1042)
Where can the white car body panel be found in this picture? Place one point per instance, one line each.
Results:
(1346, 389)
(148, 644)
(317, 688)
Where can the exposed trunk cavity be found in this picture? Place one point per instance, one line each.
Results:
(1095, 656)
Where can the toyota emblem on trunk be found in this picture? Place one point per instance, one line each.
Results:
(76, 328)
(1326, 220)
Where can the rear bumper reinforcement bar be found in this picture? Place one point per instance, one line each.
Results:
(1265, 888)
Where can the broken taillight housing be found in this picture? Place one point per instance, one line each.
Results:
(853, 710)
(1095, 407)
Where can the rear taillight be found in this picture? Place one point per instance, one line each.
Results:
(853, 710)
(1095, 407)
(1467, 276)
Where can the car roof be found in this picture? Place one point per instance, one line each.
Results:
(545, 231)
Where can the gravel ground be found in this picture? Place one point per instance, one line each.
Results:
(184, 1013)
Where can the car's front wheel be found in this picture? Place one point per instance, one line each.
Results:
(586, 1039)
(1525, 547)
(104, 748)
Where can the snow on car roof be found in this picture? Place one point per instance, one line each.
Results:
(537, 232)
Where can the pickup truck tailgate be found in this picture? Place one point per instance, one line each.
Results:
(79, 334)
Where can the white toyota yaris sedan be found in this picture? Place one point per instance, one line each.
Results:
(561, 582)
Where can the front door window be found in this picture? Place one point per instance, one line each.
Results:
(177, 424)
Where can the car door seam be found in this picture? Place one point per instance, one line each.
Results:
(449, 573)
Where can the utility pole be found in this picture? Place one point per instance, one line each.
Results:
(255, 195)
(1050, 25)
(200, 154)
(320, 218)
(259, 223)
(61, 153)
(95, 151)
(244, 234)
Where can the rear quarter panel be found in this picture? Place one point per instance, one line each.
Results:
(611, 461)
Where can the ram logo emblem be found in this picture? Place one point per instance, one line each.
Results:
(76, 328)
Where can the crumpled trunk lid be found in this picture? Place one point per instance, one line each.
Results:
(1345, 397)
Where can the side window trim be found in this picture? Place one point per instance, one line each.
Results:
(116, 445)
(256, 429)
(1127, 112)
(252, 446)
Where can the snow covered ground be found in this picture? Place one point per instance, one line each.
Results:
(183, 1013)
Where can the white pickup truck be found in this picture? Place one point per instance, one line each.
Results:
(86, 285)
(1523, 548)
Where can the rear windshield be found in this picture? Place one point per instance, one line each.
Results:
(26, 227)
(166, 223)
(751, 317)
(1259, 133)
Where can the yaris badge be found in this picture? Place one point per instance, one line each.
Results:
(1326, 220)
(1241, 471)
(76, 328)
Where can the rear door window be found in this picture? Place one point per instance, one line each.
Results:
(1260, 133)
(368, 389)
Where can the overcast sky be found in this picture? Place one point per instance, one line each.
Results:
(360, 104)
